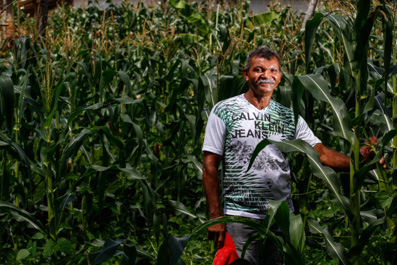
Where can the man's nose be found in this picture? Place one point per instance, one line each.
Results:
(266, 74)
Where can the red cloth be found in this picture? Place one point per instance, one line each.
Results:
(227, 254)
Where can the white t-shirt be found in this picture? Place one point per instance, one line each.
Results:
(233, 130)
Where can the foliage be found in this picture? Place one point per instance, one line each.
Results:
(101, 127)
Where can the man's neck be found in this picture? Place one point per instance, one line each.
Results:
(258, 102)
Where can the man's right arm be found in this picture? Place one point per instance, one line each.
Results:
(211, 163)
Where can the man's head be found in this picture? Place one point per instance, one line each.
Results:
(261, 52)
(262, 72)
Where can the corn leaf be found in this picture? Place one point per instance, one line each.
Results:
(318, 169)
(335, 249)
(261, 19)
(318, 87)
(7, 98)
(344, 31)
(192, 16)
(310, 34)
(26, 216)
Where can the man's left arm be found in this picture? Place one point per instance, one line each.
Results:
(333, 159)
(338, 161)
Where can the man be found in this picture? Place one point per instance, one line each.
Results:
(234, 128)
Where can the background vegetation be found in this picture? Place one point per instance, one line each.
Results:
(101, 127)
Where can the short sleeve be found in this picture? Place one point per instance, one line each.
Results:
(215, 132)
(304, 133)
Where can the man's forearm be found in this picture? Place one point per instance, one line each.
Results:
(211, 187)
(211, 184)
(333, 159)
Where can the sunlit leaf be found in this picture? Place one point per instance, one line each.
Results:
(318, 87)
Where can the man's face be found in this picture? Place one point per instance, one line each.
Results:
(263, 76)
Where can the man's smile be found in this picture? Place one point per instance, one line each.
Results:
(265, 81)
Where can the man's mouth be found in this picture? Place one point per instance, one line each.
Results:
(265, 81)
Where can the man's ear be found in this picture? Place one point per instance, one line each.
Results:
(245, 75)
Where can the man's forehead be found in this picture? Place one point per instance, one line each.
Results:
(260, 60)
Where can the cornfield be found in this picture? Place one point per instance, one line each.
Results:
(102, 123)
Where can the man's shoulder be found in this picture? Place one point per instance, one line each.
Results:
(228, 104)
(280, 108)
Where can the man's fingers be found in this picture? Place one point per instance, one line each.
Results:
(221, 239)
(383, 162)
(216, 233)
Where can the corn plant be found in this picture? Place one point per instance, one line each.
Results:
(354, 38)
(101, 127)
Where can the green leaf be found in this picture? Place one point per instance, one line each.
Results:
(177, 246)
(365, 235)
(111, 138)
(26, 216)
(344, 31)
(197, 166)
(62, 207)
(297, 232)
(23, 253)
(310, 33)
(334, 249)
(132, 173)
(192, 16)
(137, 130)
(297, 94)
(364, 24)
(318, 87)
(130, 255)
(127, 82)
(107, 251)
(370, 104)
(189, 38)
(181, 208)
(50, 116)
(7, 98)
(38, 235)
(393, 207)
(21, 153)
(318, 169)
(74, 145)
(49, 248)
(282, 218)
(40, 192)
(128, 100)
(211, 94)
(229, 219)
(261, 19)
(65, 246)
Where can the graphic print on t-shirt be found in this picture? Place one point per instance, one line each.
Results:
(268, 178)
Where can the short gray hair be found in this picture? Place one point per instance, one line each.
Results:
(261, 52)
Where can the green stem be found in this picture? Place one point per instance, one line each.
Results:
(355, 222)
(50, 193)
(394, 106)
(50, 202)
(17, 197)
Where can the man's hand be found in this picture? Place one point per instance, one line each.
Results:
(368, 152)
(217, 233)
